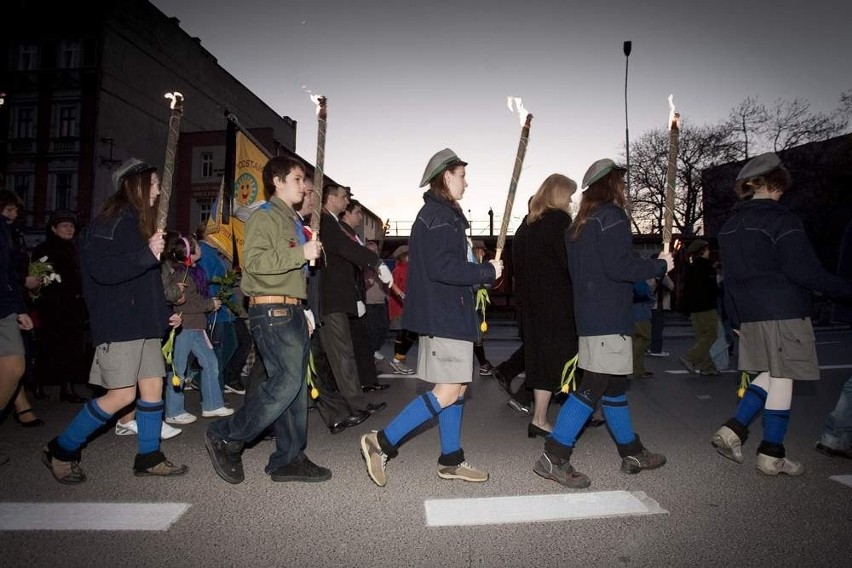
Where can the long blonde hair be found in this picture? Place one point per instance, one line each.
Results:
(555, 193)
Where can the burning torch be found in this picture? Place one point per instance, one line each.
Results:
(515, 104)
(671, 174)
(169, 165)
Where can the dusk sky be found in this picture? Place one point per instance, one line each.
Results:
(405, 79)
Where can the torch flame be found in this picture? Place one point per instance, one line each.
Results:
(314, 98)
(517, 104)
(174, 98)
(674, 117)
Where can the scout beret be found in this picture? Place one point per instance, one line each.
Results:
(762, 164)
(438, 163)
(600, 169)
(131, 167)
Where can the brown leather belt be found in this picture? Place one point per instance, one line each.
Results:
(255, 300)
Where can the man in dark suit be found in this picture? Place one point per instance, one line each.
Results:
(339, 298)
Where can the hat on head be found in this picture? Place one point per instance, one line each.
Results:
(762, 164)
(599, 169)
(130, 167)
(61, 216)
(438, 163)
(400, 251)
(696, 246)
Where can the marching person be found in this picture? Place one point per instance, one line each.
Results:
(701, 290)
(439, 306)
(603, 268)
(123, 288)
(274, 276)
(770, 272)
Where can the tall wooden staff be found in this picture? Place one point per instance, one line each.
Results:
(322, 115)
(169, 164)
(381, 242)
(516, 174)
(671, 174)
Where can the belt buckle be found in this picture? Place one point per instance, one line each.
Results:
(279, 312)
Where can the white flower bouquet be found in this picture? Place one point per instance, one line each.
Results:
(43, 270)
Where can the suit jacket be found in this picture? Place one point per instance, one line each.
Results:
(343, 260)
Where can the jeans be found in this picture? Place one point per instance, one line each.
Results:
(224, 339)
(281, 336)
(837, 432)
(195, 341)
(232, 372)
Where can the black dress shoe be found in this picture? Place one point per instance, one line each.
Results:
(374, 407)
(834, 453)
(28, 423)
(349, 421)
(533, 431)
(375, 387)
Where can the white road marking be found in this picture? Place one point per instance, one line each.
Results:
(537, 508)
(844, 479)
(842, 366)
(90, 516)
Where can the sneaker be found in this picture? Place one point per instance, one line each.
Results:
(463, 471)
(302, 469)
(155, 464)
(399, 368)
(728, 444)
(560, 471)
(657, 354)
(225, 456)
(687, 365)
(486, 369)
(235, 389)
(188, 385)
(130, 428)
(376, 459)
(518, 407)
(641, 461)
(182, 418)
(378, 356)
(769, 465)
(221, 411)
(67, 472)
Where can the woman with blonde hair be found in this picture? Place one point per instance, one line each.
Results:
(544, 294)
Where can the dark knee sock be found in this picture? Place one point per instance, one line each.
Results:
(775, 425)
(449, 423)
(149, 419)
(90, 418)
(571, 419)
(617, 414)
(753, 401)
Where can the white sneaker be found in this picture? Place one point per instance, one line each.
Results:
(182, 418)
(132, 429)
(399, 368)
(221, 411)
(378, 356)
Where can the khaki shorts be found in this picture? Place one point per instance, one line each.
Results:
(122, 363)
(444, 361)
(11, 343)
(608, 354)
(784, 348)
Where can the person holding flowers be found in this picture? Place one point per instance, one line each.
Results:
(120, 259)
(603, 268)
(183, 254)
(439, 306)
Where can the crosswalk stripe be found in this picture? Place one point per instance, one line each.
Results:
(90, 516)
(536, 508)
(844, 479)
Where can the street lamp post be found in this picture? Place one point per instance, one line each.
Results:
(628, 47)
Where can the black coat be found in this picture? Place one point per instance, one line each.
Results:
(546, 298)
(343, 259)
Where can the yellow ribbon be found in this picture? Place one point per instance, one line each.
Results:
(569, 375)
(310, 373)
(168, 350)
(482, 300)
(744, 383)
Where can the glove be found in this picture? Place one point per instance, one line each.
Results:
(385, 274)
(312, 324)
(362, 309)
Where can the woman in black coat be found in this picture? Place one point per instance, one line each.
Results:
(62, 357)
(543, 286)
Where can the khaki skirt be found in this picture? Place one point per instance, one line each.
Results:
(444, 361)
(122, 363)
(784, 348)
(11, 343)
(608, 354)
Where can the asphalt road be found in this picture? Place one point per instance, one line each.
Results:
(718, 513)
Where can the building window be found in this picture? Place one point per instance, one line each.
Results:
(205, 207)
(27, 57)
(64, 189)
(68, 56)
(23, 122)
(23, 187)
(67, 125)
(206, 164)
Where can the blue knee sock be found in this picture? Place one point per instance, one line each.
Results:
(617, 415)
(417, 412)
(775, 425)
(149, 419)
(573, 416)
(753, 401)
(449, 423)
(90, 418)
